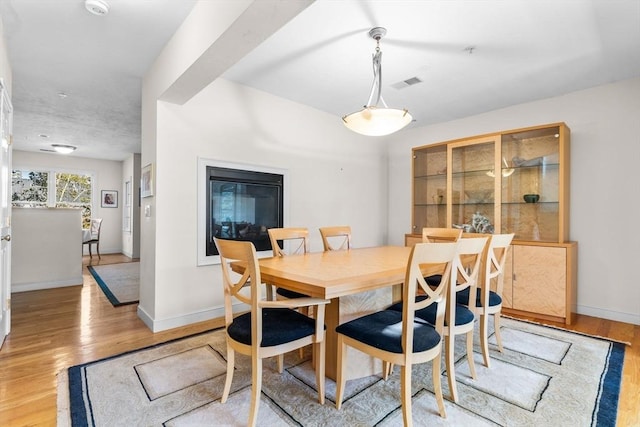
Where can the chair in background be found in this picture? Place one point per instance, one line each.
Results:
(489, 302)
(336, 238)
(458, 319)
(439, 235)
(271, 328)
(93, 236)
(297, 242)
(400, 338)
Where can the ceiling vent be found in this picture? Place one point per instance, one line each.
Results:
(97, 7)
(405, 83)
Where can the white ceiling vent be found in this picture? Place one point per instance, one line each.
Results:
(405, 83)
(97, 7)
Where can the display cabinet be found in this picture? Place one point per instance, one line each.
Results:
(514, 181)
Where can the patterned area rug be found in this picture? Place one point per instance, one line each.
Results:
(119, 282)
(545, 376)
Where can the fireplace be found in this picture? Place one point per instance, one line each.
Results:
(242, 205)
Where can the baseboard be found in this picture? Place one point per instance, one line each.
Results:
(609, 314)
(186, 319)
(36, 286)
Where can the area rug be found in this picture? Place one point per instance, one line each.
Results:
(546, 376)
(119, 282)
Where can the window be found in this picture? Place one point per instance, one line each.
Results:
(34, 189)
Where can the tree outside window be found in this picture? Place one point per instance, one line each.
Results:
(31, 189)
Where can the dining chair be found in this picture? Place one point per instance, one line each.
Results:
(401, 338)
(434, 235)
(336, 238)
(458, 319)
(296, 241)
(487, 301)
(93, 236)
(270, 328)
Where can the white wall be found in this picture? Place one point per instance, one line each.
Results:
(107, 175)
(605, 174)
(46, 248)
(335, 177)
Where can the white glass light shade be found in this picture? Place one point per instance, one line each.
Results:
(374, 121)
(63, 149)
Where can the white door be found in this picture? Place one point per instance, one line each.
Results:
(5, 213)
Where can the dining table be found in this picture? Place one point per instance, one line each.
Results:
(357, 281)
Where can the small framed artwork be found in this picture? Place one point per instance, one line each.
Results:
(146, 181)
(109, 199)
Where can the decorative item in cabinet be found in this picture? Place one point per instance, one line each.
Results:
(473, 185)
(429, 187)
(535, 196)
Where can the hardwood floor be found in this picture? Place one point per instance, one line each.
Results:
(57, 328)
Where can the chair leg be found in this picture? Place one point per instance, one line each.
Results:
(319, 353)
(230, 367)
(484, 338)
(405, 392)
(449, 344)
(90, 256)
(280, 358)
(340, 378)
(256, 386)
(98, 249)
(496, 327)
(437, 386)
(472, 363)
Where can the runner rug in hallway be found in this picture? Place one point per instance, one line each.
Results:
(119, 282)
(546, 376)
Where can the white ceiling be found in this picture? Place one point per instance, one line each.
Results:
(523, 50)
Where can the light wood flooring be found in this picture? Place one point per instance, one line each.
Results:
(57, 328)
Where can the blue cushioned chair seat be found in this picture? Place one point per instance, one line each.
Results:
(433, 280)
(463, 314)
(462, 297)
(290, 294)
(279, 326)
(383, 330)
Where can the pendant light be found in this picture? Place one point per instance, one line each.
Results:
(373, 120)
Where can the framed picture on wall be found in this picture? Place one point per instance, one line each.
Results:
(146, 181)
(109, 199)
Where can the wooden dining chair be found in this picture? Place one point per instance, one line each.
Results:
(488, 302)
(93, 237)
(401, 338)
(458, 319)
(336, 238)
(270, 328)
(294, 241)
(435, 235)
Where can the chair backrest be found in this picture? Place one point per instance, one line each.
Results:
(234, 250)
(297, 238)
(494, 260)
(96, 225)
(434, 235)
(443, 256)
(336, 238)
(466, 273)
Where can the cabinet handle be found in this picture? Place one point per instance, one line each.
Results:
(514, 277)
(6, 237)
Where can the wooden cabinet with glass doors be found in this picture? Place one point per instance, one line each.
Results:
(515, 181)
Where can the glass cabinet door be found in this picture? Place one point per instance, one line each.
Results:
(473, 186)
(531, 184)
(429, 187)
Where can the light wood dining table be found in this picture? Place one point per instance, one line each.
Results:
(357, 281)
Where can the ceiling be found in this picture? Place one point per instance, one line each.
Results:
(470, 56)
